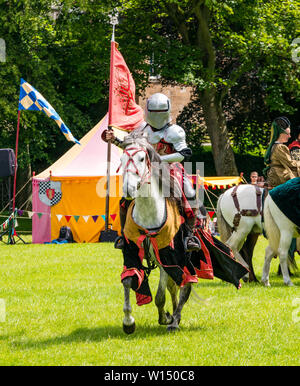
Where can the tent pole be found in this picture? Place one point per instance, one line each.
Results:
(107, 185)
(16, 157)
(109, 142)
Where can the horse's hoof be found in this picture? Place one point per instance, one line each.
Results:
(289, 284)
(172, 328)
(129, 329)
(245, 278)
(266, 283)
(165, 319)
(170, 318)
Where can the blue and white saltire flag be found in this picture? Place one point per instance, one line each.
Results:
(31, 99)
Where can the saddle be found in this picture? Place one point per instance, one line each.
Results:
(246, 212)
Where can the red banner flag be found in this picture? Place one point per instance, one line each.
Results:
(123, 112)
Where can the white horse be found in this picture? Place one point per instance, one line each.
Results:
(280, 231)
(239, 221)
(144, 185)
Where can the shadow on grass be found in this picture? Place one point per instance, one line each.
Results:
(98, 334)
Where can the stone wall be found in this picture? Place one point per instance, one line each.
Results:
(179, 96)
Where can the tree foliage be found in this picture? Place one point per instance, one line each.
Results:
(236, 55)
(61, 58)
(244, 58)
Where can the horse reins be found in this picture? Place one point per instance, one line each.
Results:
(146, 175)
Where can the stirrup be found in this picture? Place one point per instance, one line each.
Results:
(191, 243)
(119, 242)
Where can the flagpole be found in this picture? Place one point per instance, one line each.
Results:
(16, 157)
(11, 231)
(114, 22)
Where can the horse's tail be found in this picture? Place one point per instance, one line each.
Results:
(271, 228)
(223, 227)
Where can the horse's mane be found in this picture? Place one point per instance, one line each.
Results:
(166, 185)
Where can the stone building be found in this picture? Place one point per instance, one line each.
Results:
(179, 96)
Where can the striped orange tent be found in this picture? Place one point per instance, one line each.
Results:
(72, 191)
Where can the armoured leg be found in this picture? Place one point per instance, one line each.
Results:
(119, 242)
(191, 242)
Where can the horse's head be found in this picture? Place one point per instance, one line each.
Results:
(136, 166)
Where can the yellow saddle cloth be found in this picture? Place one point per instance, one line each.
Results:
(163, 237)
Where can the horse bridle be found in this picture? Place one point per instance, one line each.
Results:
(145, 177)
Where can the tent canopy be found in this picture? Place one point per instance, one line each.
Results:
(217, 182)
(87, 159)
(72, 191)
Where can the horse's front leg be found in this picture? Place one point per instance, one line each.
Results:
(173, 290)
(183, 298)
(164, 318)
(128, 321)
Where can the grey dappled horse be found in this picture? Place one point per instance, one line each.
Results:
(141, 183)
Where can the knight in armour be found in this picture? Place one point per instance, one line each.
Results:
(169, 141)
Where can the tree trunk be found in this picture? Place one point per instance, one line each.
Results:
(217, 130)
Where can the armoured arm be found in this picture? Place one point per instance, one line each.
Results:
(118, 142)
(174, 157)
(176, 136)
(109, 135)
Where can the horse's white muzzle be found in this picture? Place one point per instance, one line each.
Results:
(130, 188)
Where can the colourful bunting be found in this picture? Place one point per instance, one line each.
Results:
(95, 218)
(4, 225)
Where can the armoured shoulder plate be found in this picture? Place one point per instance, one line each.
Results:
(175, 135)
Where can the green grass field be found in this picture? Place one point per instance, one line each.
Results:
(64, 305)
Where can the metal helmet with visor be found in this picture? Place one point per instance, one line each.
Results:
(158, 111)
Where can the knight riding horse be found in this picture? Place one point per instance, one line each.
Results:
(170, 143)
(154, 233)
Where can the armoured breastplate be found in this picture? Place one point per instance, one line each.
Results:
(163, 140)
